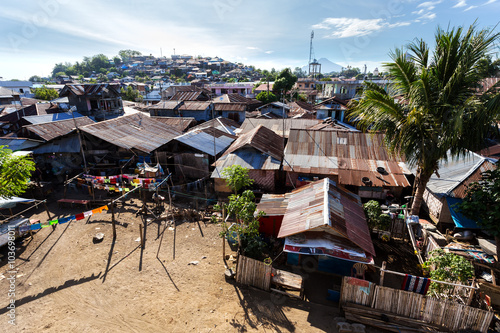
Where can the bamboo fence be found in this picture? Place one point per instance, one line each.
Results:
(254, 273)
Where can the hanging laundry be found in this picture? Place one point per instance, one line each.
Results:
(35, 226)
(65, 220)
(79, 216)
(416, 284)
(44, 224)
(87, 214)
(53, 222)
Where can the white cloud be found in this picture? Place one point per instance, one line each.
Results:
(489, 1)
(268, 52)
(469, 8)
(344, 27)
(460, 3)
(252, 48)
(429, 5)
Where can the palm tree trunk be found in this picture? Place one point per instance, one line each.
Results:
(421, 181)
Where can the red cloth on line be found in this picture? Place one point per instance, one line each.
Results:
(79, 216)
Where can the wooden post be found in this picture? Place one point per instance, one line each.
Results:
(224, 246)
(65, 187)
(113, 219)
(471, 293)
(493, 279)
(47, 210)
(143, 201)
(382, 273)
(142, 237)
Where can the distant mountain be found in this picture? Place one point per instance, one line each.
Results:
(326, 66)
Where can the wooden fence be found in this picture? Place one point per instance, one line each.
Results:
(254, 273)
(398, 228)
(416, 308)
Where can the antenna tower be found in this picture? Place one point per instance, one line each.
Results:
(314, 65)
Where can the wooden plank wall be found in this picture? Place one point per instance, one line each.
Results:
(449, 315)
(253, 273)
(356, 294)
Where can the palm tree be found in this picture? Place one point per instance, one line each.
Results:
(433, 106)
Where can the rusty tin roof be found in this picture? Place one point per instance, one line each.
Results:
(322, 206)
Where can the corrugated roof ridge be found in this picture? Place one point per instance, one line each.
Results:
(469, 173)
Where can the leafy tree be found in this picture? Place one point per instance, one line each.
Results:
(242, 207)
(117, 60)
(266, 97)
(298, 72)
(360, 76)
(488, 68)
(15, 172)
(482, 203)
(60, 74)
(351, 72)
(442, 111)
(284, 82)
(58, 69)
(130, 94)
(126, 55)
(35, 78)
(236, 177)
(47, 94)
(374, 216)
(448, 267)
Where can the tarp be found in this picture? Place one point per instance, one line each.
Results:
(460, 220)
(320, 243)
(12, 202)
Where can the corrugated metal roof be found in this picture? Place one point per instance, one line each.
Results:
(276, 125)
(31, 110)
(262, 139)
(322, 206)
(351, 155)
(47, 118)
(179, 123)
(135, 131)
(222, 124)
(90, 89)
(205, 139)
(230, 107)
(165, 105)
(249, 158)
(275, 104)
(69, 144)
(190, 96)
(460, 190)
(233, 98)
(454, 174)
(54, 129)
(15, 144)
(194, 106)
(273, 204)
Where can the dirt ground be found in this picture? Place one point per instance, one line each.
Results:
(65, 282)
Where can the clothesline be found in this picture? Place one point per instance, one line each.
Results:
(442, 282)
(63, 220)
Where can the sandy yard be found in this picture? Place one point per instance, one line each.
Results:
(66, 283)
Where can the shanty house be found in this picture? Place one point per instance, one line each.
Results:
(332, 107)
(260, 151)
(356, 160)
(443, 192)
(277, 108)
(197, 149)
(326, 223)
(101, 100)
(108, 142)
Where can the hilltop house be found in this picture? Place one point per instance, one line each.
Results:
(102, 100)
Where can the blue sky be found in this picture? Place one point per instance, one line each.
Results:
(38, 33)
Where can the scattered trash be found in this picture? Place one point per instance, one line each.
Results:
(98, 238)
(204, 257)
(194, 263)
(138, 239)
(171, 228)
